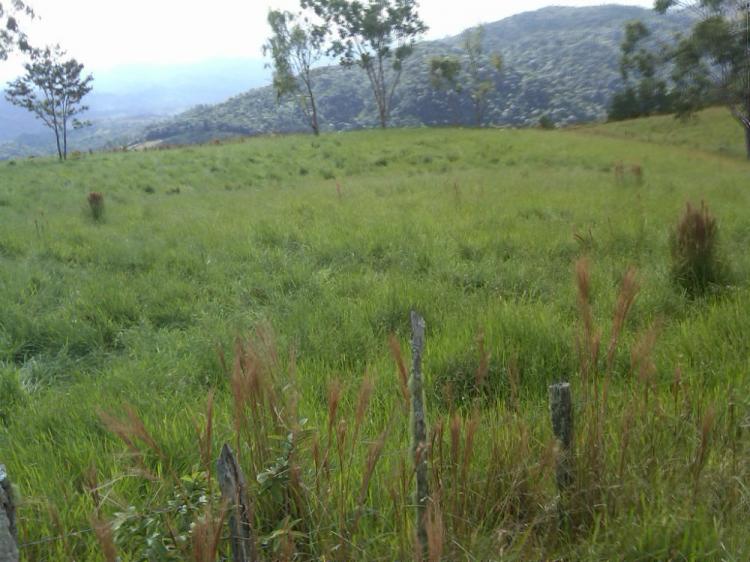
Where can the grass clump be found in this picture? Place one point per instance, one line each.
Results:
(694, 246)
(96, 205)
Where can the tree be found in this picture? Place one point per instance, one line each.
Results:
(11, 35)
(374, 35)
(295, 47)
(481, 71)
(645, 92)
(445, 72)
(712, 63)
(52, 89)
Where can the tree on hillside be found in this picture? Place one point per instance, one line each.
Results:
(445, 75)
(481, 71)
(645, 92)
(377, 36)
(712, 63)
(295, 47)
(52, 89)
(11, 35)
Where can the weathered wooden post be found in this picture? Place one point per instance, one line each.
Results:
(419, 431)
(234, 491)
(8, 536)
(561, 410)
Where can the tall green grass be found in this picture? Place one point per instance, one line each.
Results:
(127, 325)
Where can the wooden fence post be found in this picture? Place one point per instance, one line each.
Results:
(419, 431)
(234, 492)
(561, 410)
(8, 536)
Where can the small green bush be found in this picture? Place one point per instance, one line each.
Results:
(694, 246)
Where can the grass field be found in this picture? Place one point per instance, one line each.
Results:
(275, 269)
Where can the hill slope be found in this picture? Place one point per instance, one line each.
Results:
(558, 61)
(473, 228)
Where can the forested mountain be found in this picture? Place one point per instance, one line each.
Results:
(560, 62)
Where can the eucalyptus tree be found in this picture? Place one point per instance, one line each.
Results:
(52, 88)
(445, 76)
(481, 71)
(295, 46)
(376, 35)
(712, 63)
(12, 36)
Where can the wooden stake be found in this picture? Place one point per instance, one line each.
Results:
(419, 431)
(234, 492)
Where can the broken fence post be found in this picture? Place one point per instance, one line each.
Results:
(561, 410)
(8, 536)
(419, 431)
(234, 492)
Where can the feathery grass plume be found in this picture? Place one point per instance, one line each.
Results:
(694, 245)
(403, 373)
(701, 455)
(206, 537)
(484, 364)
(105, 538)
(589, 340)
(625, 299)
(435, 530)
(205, 435)
(131, 430)
(642, 361)
(96, 204)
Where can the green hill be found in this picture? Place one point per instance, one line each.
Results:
(560, 62)
(255, 284)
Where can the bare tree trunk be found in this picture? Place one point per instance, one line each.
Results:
(57, 141)
(65, 138)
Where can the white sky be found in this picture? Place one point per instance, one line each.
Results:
(107, 33)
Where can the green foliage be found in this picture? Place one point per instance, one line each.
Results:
(562, 62)
(12, 35)
(52, 89)
(165, 533)
(711, 63)
(694, 245)
(295, 47)
(372, 36)
(645, 91)
(481, 71)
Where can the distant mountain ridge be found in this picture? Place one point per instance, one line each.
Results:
(559, 61)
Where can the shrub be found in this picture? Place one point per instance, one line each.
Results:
(694, 247)
(546, 123)
(96, 204)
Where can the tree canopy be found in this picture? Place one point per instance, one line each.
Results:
(12, 35)
(52, 88)
(295, 46)
(377, 36)
(712, 63)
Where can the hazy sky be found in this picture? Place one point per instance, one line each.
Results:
(106, 33)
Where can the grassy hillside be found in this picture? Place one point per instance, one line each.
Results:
(712, 130)
(560, 62)
(276, 269)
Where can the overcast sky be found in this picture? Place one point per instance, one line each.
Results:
(107, 33)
